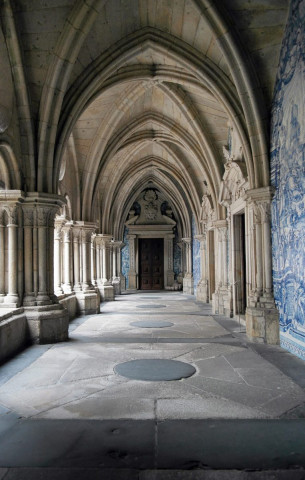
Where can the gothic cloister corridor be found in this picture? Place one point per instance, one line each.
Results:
(152, 239)
(66, 413)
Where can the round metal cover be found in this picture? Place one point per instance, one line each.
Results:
(155, 370)
(151, 324)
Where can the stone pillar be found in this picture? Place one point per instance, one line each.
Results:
(267, 257)
(86, 258)
(116, 263)
(132, 274)
(262, 319)
(76, 259)
(188, 281)
(2, 257)
(47, 320)
(88, 297)
(169, 260)
(119, 266)
(93, 262)
(67, 257)
(98, 262)
(12, 297)
(202, 293)
(259, 254)
(107, 290)
(221, 299)
(29, 298)
(182, 270)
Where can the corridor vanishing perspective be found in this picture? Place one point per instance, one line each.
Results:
(152, 239)
(52, 394)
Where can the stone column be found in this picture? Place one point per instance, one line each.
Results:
(169, 260)
(87, 295)
(57, 260)
(116, 280)
(93, 262)
(262, 319)
(182, 269)
(119, 266)
(221, 299)
(86, 234)
(2, 256)
(132, 274)
(67, 233)
(188, 281)
(266, 236)
(12, 297)
(98, 262)
(107, 289)
(202, 293)
(28, 223)
(47, 320)
(76, 259)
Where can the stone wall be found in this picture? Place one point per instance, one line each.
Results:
(288, 178)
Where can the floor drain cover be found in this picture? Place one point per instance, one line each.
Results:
(151, 306)
(155, 370)
(151, 324)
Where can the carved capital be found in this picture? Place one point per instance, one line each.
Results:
(12, 213)
(265, 209)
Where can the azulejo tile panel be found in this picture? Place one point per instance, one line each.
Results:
(125, 256)
(288, 178)
(196, 255)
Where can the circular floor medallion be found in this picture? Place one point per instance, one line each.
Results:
(151, 306)
(155, 370)
(151, 324)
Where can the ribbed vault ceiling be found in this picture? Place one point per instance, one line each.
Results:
(142, 92)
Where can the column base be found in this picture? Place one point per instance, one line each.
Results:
(170, 279)
(107, 293)
(202, 293)
(132, 281)
(67, 288)
(116, 283)
(29, 300)
(43, 299)
(11, 301)
(122, 282)
(262, 324)
(47, 324)
(188, 285)
(222, 302)
(88, 302)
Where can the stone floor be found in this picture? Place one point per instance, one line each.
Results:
(65, 413)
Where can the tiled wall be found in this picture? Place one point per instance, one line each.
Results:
(125, 256)
(288, 177)
(195, 255)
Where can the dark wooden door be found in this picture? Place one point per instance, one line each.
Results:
(151, 263)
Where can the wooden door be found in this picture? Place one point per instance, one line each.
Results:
(151, 263)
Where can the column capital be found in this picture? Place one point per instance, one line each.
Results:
(201, 238)
(219, 224)
(103, 239)
(257, 195)
(118, 244)
(187, 240)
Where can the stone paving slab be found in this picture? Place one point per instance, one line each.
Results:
(132, 474)
(193, 445)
